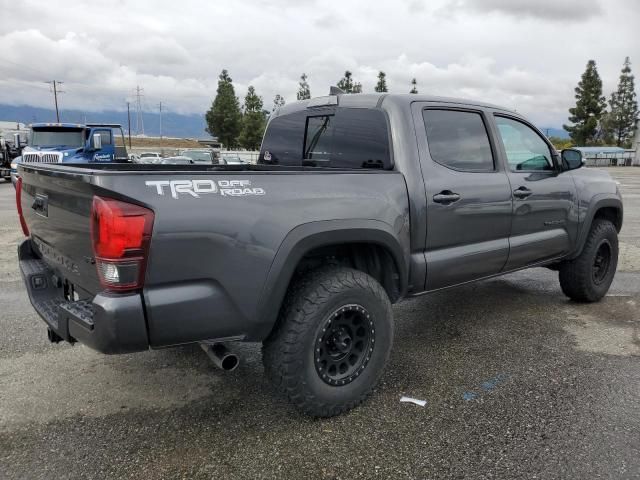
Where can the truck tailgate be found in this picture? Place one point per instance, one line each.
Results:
(57, 212)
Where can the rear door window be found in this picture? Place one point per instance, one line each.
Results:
(459, 140)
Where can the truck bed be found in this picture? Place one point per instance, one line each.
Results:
(222, 235)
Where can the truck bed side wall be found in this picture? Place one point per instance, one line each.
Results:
(211, 255)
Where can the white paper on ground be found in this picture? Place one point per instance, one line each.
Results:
(421, 403)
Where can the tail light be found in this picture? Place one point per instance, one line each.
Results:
(23, 224)
(121, 233)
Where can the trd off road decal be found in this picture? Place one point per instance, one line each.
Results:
(195, 188)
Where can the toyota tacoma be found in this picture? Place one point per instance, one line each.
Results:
(357, 201)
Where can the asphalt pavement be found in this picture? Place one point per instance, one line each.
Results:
(519, 382)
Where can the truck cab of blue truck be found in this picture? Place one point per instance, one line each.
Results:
(75, 143)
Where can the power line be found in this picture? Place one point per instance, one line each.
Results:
(55, 84)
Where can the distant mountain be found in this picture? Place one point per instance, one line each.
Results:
(173, 124)
(554, 132)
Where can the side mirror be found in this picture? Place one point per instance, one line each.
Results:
(96, 141)
(571, 159)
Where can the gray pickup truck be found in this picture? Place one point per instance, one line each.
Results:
(357, 201)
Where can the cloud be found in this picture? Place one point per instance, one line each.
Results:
(556, 10)
(175, 50)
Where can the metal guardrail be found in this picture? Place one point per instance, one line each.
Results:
(623, 159)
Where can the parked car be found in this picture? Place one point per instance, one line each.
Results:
(202, 156)
(149, 157)
(231, 159)
(178, 160)
(358, 201)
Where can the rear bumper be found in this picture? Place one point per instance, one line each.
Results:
(107, 323)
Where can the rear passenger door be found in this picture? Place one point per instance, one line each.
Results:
(468, 194)
(544, 197)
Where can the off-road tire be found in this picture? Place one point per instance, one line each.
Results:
(289, 353)
(578, 278)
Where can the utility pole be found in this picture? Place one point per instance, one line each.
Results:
(160, 106)
(129, 123)
(56, 84)
(139, 119)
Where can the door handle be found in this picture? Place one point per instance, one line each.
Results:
(446, 197)
(522, 192)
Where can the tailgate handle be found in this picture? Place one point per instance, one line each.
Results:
(41, 205)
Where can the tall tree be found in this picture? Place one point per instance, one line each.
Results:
(278, 101)
(224, 119)
(414, 86)
(381, 86)
(589, 110)
(622, 120)
(253, 121)
(347, 85)
(304, 92)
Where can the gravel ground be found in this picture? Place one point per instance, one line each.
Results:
(519, 383)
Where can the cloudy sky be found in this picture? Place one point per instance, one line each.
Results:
(523, 54)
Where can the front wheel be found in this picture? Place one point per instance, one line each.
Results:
(332, 341)
(588, 277)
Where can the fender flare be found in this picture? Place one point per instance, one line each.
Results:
(309, 236)
(599, 201)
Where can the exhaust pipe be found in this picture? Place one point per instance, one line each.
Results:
(53, 336)
(221, 356)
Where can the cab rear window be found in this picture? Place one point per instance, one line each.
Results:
(340, 138)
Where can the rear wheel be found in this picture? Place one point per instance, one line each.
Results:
(588, 277)
(332, 341)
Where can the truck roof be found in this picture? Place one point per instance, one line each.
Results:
(372, 100)
(54, 124)
(74, 125)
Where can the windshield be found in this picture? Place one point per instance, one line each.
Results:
(57, 137)
(201, 156)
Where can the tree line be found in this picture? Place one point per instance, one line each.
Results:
(596, 121)
(243, 125)
(593, 120)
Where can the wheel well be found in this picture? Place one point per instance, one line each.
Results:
(373, 259)
(612, 214)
